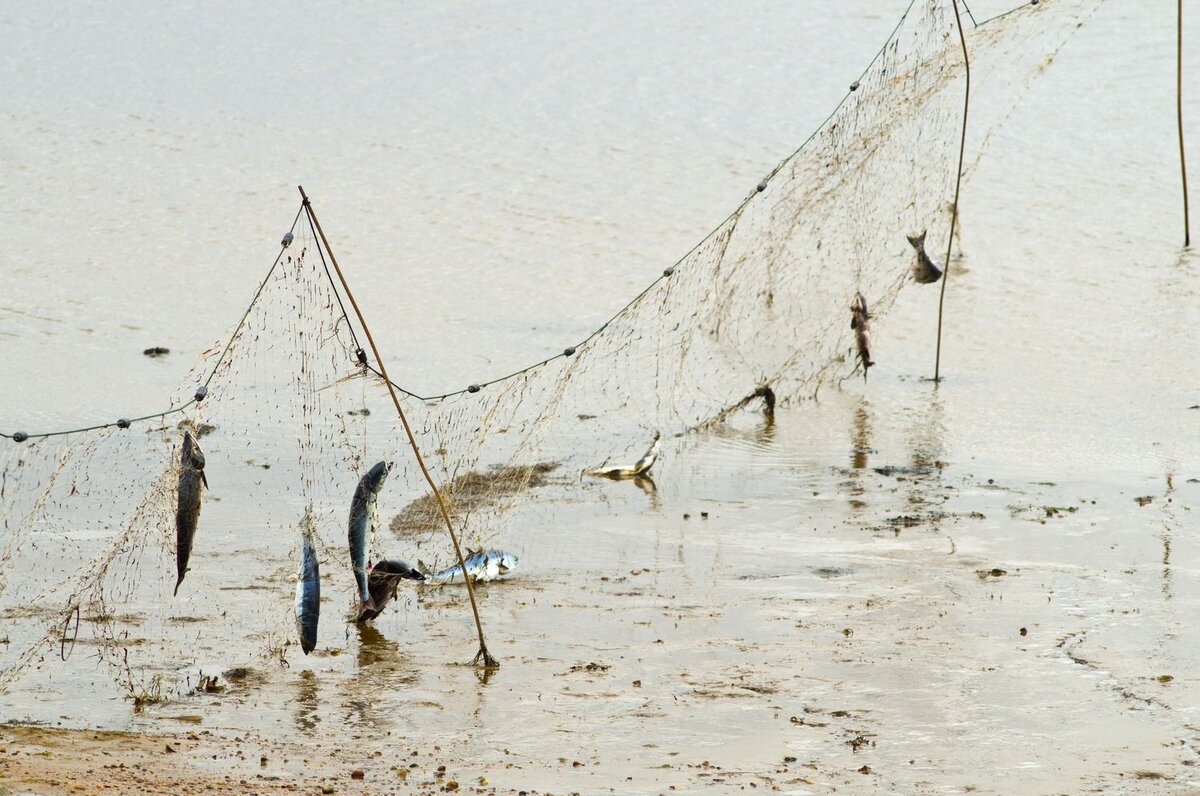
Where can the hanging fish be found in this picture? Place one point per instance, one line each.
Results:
(860, 322)
(384, 580)
(192, 483)
(308, 588)
(364, 516)
(640, 467)
(925, 270)
(482, 566)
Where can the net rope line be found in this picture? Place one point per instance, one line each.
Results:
(21, 436)
(668, 272)
(281, 372)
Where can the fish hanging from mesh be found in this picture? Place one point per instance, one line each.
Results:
(291, 417)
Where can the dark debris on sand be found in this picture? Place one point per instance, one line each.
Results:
(469, 492)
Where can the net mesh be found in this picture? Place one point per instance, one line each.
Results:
(291, 420)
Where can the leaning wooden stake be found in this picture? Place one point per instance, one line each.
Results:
(483, 656)
(1187, 234)
(937, 365)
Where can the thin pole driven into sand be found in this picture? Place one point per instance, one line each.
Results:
(1187, 234)
(483, 656)
(937, 364)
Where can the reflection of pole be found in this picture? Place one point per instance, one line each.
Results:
(937, 364)
(483, 656)
(1187, 235)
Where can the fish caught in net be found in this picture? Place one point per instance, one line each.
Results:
(290, 418)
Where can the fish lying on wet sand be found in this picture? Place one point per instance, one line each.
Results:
(308, 588)
(482, 566)
(384, 580)
(640, 467)
(192, 484)
(860, 322)
(364, 517)
(925, 270)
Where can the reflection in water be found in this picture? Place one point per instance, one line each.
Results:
(765, 435)
(307, 700)
(646, 484)
(860, 450)
(373, 646)
(383, 671)
(927, 444)
(861, 435)
(484, 674)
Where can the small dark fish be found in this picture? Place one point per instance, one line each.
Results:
(364, 511)
(192, 484)
(308, 588)
(860, 322)
(925, 270)
(385, 578)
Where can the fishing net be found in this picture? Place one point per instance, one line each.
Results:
(289, 418)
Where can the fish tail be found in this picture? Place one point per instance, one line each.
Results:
(367, 605)
(178, 583)
(917, 241)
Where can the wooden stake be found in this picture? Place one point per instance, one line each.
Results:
(937, 365)
(483, 656)
(1187, 234)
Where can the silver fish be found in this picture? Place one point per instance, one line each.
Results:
(192, 484)
(364, 517)
(640, 467)
(925, 270)
(384, 580)
(860, 322)
(482, 566)
(308, 588)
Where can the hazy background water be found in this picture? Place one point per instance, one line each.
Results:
(498, 179)
(552, 158)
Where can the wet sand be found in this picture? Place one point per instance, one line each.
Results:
(844, 606)
(992, 586)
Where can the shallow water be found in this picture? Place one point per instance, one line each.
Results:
(857, 594)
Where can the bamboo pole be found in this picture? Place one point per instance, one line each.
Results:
(1187, 234)
(937, 365)
(483, 656)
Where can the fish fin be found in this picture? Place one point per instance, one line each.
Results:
(204, 478)
(178, 583)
